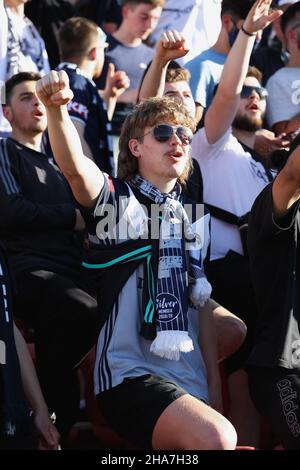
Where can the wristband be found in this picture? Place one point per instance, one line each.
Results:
(246, 32)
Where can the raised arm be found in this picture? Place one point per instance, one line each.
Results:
(83, 175)
(171, 46)
(115, 86)
(221, 113)
(286, 187)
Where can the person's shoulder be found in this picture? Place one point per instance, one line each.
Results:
(116, 186)
(76, 78)
(9, 145)
(113, 43)
(278, 76)
(197, 59)
(146, 47)
(261, 211)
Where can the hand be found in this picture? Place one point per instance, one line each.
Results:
(79, 223)
(200, 292)
(49, 436)
(259, 17)
(53, 89)
(116, 82)
(266, 142)
(171, 46)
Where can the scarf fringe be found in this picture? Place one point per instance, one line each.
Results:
(169, 344)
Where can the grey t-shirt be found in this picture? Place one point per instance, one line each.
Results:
(134, 61)
(122, 352)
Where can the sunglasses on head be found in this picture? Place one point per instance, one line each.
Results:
(247, 91)
(164, 132)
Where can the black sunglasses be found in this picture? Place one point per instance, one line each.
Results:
(164, 132)
(247, 91)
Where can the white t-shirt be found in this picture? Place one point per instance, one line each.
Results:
(231, 180)
(284, 95)
(198, 20)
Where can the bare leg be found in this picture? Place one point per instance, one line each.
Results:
(242, 412)
(189, 423)
(230, 330)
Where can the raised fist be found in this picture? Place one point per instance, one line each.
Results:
(53, 89)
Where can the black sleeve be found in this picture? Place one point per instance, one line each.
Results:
(17, 212)
(262, 225)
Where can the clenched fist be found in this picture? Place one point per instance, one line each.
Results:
(53, 89)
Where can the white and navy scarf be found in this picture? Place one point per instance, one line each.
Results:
(178, 271)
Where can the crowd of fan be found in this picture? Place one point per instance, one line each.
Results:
(226, 70)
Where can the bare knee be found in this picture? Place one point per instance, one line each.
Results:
(224, 437)
(238, 332)
(231, 332)
(218, 436)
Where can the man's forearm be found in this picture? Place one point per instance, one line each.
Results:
(236, 66)
(154, 80)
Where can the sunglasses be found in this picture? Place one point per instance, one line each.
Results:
(164, 132)
(247, 91)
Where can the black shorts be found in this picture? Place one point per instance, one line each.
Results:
(133, 407)
(276, 395)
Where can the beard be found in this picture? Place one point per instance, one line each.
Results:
(246, 123)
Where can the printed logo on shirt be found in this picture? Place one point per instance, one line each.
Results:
(79, 109)
(41, 174)
(259, 172)
(296, 93)
(288, 398)
(296, 353)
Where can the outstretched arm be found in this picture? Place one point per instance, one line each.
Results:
(171, 46)
(220, 114)
(83, 175)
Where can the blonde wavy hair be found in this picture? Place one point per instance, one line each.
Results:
(147, 114)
